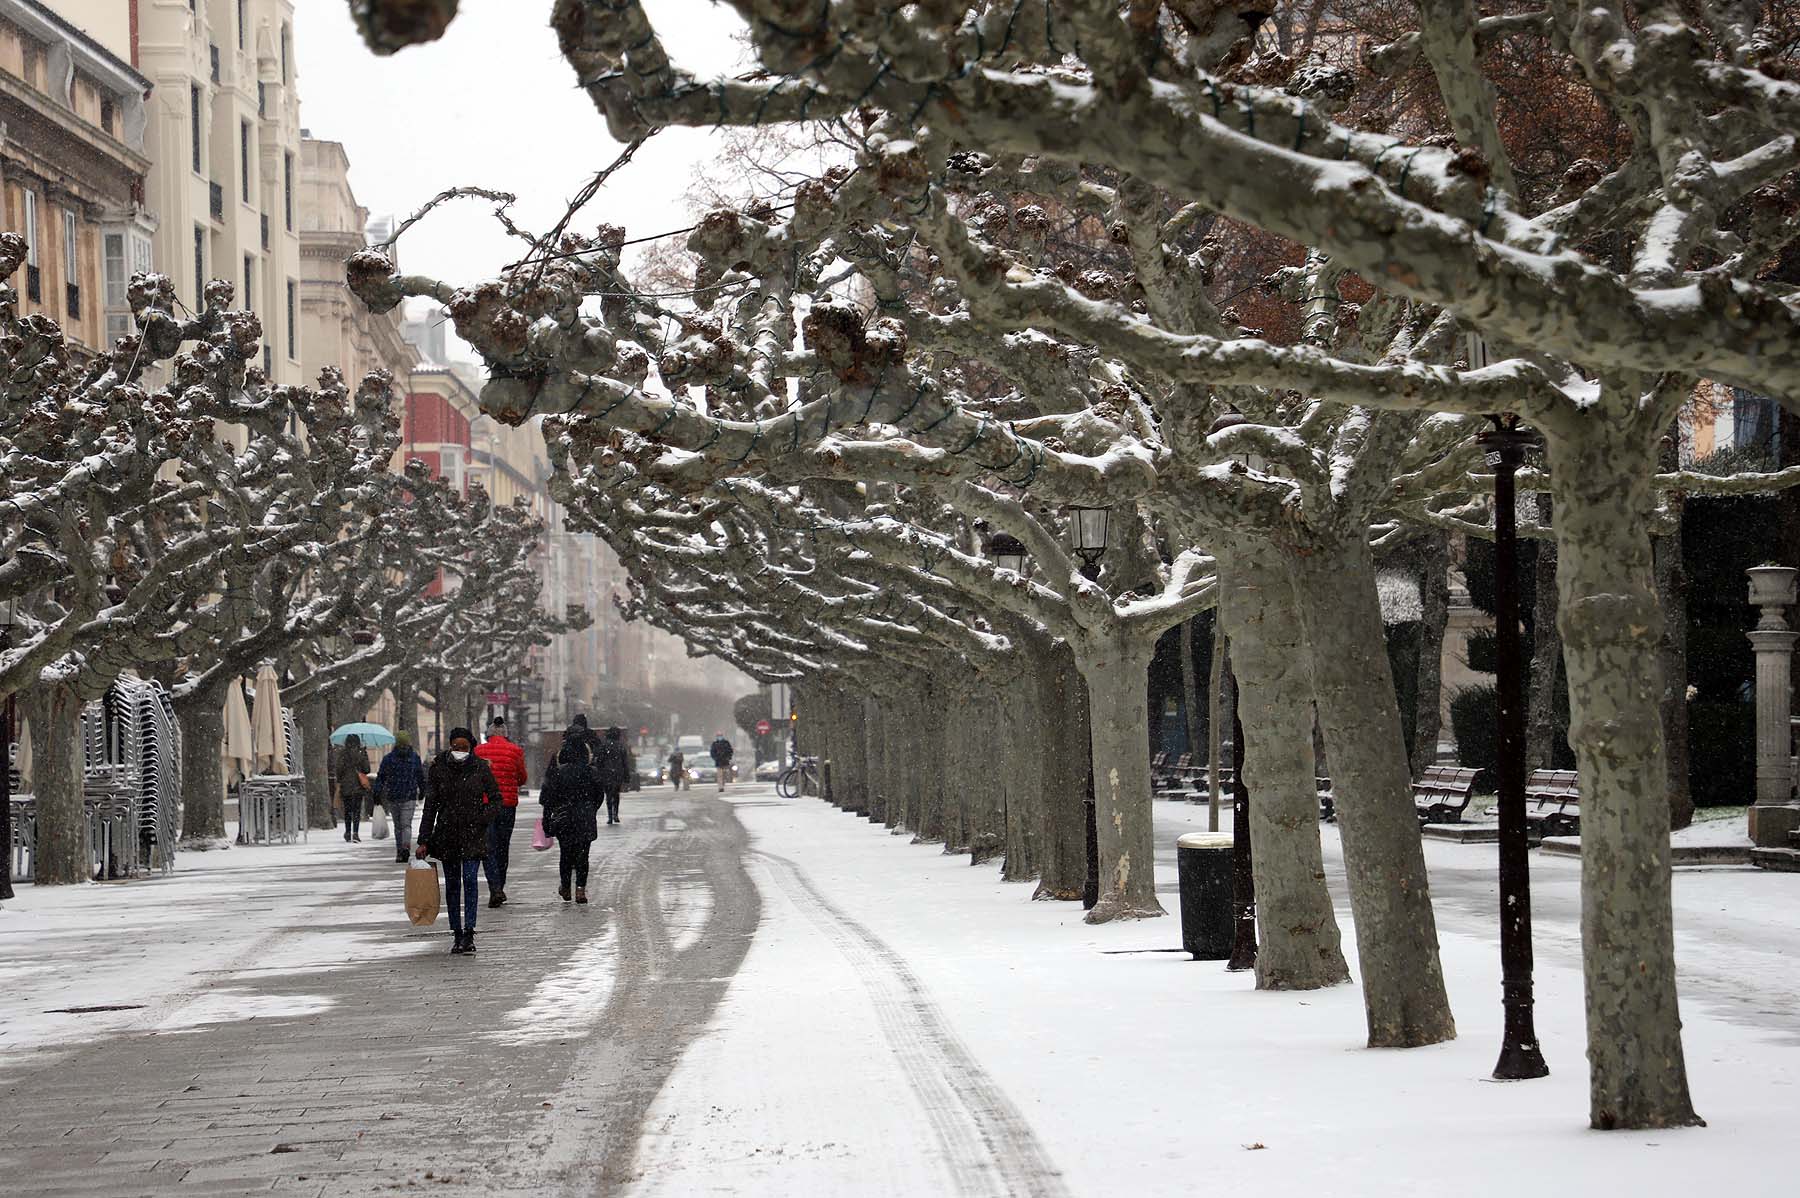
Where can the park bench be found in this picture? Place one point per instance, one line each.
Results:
(1327, 800)
(1166, 774)
(1441, 794)
(1553, 803)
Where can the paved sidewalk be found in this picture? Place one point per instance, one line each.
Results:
(321, 1045)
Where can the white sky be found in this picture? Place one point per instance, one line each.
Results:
(493, 104)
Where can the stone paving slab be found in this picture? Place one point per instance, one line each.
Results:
(378, 1061)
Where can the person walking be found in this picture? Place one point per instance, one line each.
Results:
(571, 798)
(580, 734)
(677, 769)
(353, 785)
(721, 754)
(507, 761)
(398, 781)
(462, 799)
(612, 767)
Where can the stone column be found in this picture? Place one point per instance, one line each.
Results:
(1775, 814)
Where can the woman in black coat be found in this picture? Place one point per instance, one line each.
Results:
(461, 798)
(571, 799)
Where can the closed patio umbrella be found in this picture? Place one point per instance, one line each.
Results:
(236, 749)
(268, 735)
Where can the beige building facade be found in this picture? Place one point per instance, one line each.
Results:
(224, 135)
(73, 170)
(337, 329)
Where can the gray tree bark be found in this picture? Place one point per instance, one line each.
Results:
(1390, 893)
(315, 737)
(1300, 946)
(1611, 623)
(202, 717)
(1672, 588)
(57, 765)
(1119, 736)
(1063, 839)
(1434, 596)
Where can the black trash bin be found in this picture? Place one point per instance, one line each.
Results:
(1203, 864)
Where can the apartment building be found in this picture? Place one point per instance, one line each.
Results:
(336, 328)
(73, 166)
(224, 135)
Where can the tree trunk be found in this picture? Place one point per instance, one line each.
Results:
(1546, 656)
(58, 766)
(988, 782)
(880, 784)
(902, 778)
(1062, 837)
(406, 708)
(1390, 894)
(1611, 625)
(315, 747)
(1671, 589)
(1215, 724)
(1190, 688)
(852, 779)
(1434, 597)
(202, 716)
(1119, 737)
(1300, 945)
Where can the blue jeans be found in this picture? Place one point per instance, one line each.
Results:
(462, 893)
(500, 847)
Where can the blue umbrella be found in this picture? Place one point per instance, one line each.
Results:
(372, 735)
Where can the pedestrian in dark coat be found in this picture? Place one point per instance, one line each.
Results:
(721, 754)
(613, 767)
(398, 783)
(353, 784)
(580, 734)
(571, 799)
(461, 800)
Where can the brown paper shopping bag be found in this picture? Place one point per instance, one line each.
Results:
(423, 894)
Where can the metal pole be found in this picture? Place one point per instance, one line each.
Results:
(1243, 881)
(6, 832)
(1090, 886)
(1520, 1056)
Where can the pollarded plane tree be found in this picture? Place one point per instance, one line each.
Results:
(1435, 224)
(134, 533)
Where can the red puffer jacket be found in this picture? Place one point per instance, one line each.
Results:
(507, 760)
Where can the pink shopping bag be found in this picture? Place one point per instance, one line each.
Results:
(540, 840)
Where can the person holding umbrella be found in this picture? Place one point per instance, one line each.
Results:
(461, 800)
(353, 784)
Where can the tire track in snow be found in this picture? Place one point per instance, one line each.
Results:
(991, 1149)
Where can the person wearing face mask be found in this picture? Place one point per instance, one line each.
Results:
(461, 800)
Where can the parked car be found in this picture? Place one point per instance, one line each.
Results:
(769, 771)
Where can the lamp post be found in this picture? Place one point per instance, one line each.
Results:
(1520, 1055)
(1008, 553)
(1243, 876)
(9, 616)
(1087, 535)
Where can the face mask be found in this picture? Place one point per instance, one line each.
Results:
(457, 755)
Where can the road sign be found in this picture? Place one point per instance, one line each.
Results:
(643, 732)
(762, 727)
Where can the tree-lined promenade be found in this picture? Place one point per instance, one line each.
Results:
(1112, 315)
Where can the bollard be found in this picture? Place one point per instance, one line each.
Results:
(1203, 865)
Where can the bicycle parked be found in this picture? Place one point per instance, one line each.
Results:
(798, 777)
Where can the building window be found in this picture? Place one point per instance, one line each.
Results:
(240, 24)
(287, 189)
(106, 115)
(262, 98)
(34, 287)
(249, 304)
(214, 48)
(194, 121)
(284, 53)
(199, 267)
(268, 360)
(71, 264)
(244, 158)
(293, 322)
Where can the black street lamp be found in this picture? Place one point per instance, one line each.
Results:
(1087, 534)
(1520, 1055)
(9, 616)
(1008, 552)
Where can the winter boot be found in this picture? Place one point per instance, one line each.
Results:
(458, 946)
(581, 894)
(564, 891)
(497, 899)
(469, 942)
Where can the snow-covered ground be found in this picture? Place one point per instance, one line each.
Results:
(1143, 1072)
(906, 1025)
